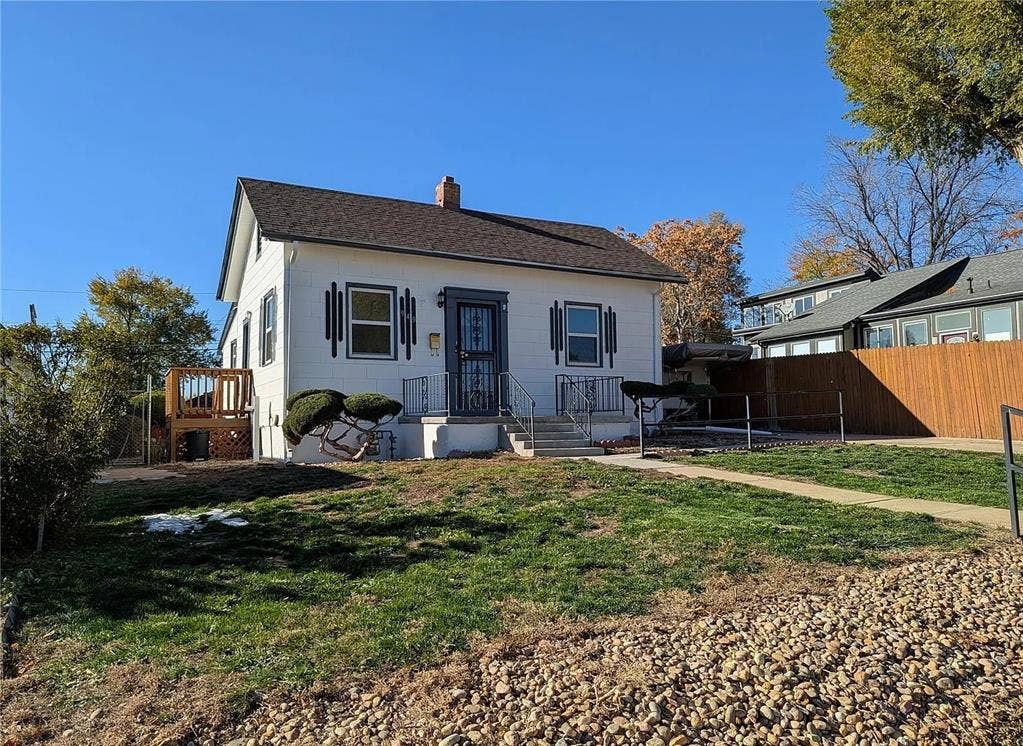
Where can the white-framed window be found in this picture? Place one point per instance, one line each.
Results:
(582, 327)
(233, 357)
(371, 321)
(952, 322)
(914, 333)
(757, 353)
(800, 348)
(996, 324)
(776, 351)
(836, 291)
(268, 328)
(877, 337)
(804, 304)
(245, 342)
(827, 345)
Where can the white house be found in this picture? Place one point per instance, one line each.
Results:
(492, 330)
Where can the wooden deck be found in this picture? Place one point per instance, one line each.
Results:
(213, 400)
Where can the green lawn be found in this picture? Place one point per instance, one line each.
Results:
(926, 473)
(386, 564)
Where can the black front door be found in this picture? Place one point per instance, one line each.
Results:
(476, 325)
(476, 377)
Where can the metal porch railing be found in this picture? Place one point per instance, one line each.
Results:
(517, 402)
(426, 395)
(604, 392)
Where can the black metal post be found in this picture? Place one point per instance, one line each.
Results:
(1010, 469)
(642, 447)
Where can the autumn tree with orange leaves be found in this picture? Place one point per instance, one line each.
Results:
(708, 253)
(814, 259)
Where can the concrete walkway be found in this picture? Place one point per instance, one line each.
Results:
(992, 517)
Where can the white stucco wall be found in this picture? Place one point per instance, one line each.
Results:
(531, 292)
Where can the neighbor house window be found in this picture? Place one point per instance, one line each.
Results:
(952, 322)
(268, 328)
(583, 330)
(800, 348)
(245, 343)
(915, 333)
(827, 345)
(996, 324)
(776, 351)
(878, 336)
(836, 291)
(233, 357)
(371, 322)
(803, 305)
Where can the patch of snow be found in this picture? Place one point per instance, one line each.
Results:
(186, 523)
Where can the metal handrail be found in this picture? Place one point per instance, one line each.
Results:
(516, 400)
(604, 392)
(570, 406)
(424, 395)
(1013, 471)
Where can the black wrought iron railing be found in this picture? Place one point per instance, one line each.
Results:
(578, 407)
(517, 403)
(426, 395)
(603, 392)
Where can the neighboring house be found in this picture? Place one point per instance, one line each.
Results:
(760, 312)
(976, 298)
(462, 315)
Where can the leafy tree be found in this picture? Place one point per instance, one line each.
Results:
(708, 253)
(146, 324)
(55, 415)
(813, 259)
(930, 76)
(899, 213)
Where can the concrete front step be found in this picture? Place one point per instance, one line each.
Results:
(543, 427)
(581, 451)
(547, 435)
(558, 443)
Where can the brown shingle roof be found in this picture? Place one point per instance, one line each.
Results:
(288, 211)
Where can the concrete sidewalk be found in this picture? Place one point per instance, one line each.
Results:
(992, 517)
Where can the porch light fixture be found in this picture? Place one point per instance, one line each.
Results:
(440, 299)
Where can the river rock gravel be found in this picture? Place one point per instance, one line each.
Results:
(929, 652)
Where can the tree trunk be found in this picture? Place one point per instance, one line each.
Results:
(39, 532)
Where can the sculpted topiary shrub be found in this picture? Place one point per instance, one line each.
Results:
(646, 395)
(318, 412)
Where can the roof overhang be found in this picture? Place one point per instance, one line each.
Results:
(235, 248)
(227, 325)
(966, 301)
(440, 254)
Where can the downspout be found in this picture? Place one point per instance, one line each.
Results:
(290, 260)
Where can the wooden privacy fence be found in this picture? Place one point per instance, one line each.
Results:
(951, 390)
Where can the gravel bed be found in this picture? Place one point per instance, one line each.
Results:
(929, 652)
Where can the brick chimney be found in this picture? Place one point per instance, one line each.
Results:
(448, 193)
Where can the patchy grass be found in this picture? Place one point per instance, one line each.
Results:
(342, 568)
(925, 473)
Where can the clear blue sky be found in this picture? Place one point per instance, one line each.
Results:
(125, 125)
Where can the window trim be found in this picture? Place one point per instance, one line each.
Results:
(927, 331)
(813, 302)
(983, 330)
(232, 355)
(264, 358)
(349, 320)
(246, 341)
(879, 327)
(568, 304)
(967, 328)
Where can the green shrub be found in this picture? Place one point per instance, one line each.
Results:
(309, 410)
(306, 392)
(649, 390)
(159, 406)
(371, 407)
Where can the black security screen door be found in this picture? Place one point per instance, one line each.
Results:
(476, 383)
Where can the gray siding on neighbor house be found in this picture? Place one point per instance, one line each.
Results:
(975, 329)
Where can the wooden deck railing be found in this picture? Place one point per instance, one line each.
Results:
(200, 393)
